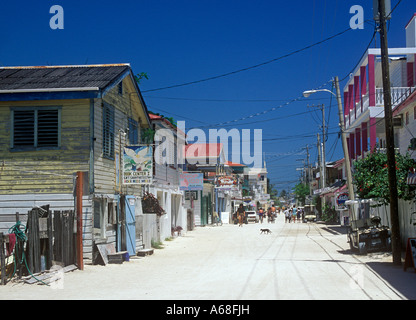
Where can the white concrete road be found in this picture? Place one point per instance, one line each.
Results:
(296, 261)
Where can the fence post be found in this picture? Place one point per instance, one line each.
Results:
(79, 192)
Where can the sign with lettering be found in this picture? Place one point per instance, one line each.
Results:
(342, 198)
(191, 181)
(138, 165)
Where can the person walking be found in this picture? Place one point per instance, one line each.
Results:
(287, 215)
(261, 214)
(269, 215)
(294, 213)
(241, 214)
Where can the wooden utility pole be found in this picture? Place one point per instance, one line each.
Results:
(323, 160)
(347, 161)
(79, 193)
(388, 117)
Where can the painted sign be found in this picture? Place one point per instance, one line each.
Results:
(342, 198)
(138, 164)
(340, 201)
(191, 181)
(227, 180)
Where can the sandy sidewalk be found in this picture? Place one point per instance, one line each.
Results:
(302, 261)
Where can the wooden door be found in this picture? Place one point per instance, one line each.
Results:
(130, 224)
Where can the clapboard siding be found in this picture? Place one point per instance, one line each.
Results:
(166, 174)
(46, 171)
(105, 168)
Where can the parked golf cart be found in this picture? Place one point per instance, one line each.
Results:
(310, 215)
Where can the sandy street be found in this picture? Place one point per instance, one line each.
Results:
(296, 261)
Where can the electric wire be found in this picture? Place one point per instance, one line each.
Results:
(251, 67)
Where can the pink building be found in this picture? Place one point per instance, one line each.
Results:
(363, 94)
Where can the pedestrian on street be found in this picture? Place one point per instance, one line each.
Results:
(241, 214)
(298, 213)
(288, 214)
(261, 214)
(269, 215)
(294, 213)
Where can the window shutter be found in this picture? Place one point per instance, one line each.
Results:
(36, 128)
(133, 131)
(24, 128)
(47, 128)
(108, 131)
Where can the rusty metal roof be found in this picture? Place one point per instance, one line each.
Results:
(73, 76)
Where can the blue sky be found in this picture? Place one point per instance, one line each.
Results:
(177, 42)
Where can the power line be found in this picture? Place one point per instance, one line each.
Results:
(228, 123)
(251, 67)
(229, 100)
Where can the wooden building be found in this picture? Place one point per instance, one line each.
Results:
(57, 120)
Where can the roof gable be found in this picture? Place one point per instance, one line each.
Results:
(60, 77)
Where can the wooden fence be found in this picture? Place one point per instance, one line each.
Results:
(47, 239)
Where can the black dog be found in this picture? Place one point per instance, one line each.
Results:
(265, 231)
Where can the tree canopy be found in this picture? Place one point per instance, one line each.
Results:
(371, 180)
(301, 191)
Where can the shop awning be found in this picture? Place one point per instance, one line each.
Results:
(337, 187)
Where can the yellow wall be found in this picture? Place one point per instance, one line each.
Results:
(46, 170)
(51, 171)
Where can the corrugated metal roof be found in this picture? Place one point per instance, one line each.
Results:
(77, 76)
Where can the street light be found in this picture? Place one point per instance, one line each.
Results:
(343, 135)
(307, 93)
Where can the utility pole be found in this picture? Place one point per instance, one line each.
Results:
(308, 170)
(323, 148)
(323, 177)
(319, 159)
(347, 161)
(343, 135)
(388, 118)
(321, 169)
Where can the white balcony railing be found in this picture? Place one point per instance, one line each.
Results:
(398, 95)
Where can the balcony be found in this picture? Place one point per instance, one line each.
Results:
(398, 95)
(362, 113)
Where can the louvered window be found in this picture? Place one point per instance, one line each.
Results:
(108, 131)
(36, 128)
(133, 131)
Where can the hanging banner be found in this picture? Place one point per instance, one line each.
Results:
(191, 181)
(138, 165)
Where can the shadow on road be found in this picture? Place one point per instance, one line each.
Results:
(335, 229)
(402, 281)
